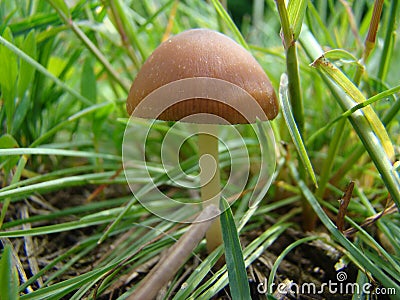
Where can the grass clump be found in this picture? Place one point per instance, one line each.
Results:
(66, 69)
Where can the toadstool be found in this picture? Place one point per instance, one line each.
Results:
(239, 92)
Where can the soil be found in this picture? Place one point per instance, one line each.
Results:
(311, 265)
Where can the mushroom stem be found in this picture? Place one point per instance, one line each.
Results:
(210, 179)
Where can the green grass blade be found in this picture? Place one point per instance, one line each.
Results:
(61, 7)
(354, 251)
(88, 81)
(252, 251)
(26, 71)
(389, 42)
(8, 77)
(8, 276)
(57, 290)
(7, 141)
(293, 130)
(75, 117)
(159, 179)
(296, 11)
(287, 30)
(50, 151)
(127, 30)
(350, 111)
(238, 282)
(371, 143)
(55, 184)
(295, 94)
(323, 64)
(66, 109)
(228, 20)
(97, 219)
(325, 173)
(199, 274)
(364, 235)
(321, 25)
(42, 70)
(281, 256)
(7, 164)
(62, 10)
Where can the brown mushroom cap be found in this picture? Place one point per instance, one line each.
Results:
(204, 53)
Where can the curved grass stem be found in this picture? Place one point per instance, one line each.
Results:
(294, 89)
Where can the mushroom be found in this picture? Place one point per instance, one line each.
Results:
(210, 76)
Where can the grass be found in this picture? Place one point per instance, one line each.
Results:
(71, 227)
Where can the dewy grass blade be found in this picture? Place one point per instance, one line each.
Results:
(292, 127)
(323, 64)
(238, 282)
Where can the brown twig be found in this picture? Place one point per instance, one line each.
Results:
(372, 219)
(122, 263)
(175, 257)
(100, 188)
(344, 203)
(171, 20)
(373, 28)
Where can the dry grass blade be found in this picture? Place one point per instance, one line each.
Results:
(344, 203)
(373, 28)
(372, 219)
(323, 64)
(175, 257)
(171, 19)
